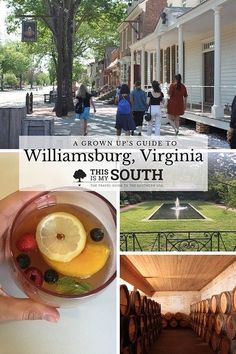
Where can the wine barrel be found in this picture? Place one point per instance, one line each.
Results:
(128, 330)
(234, 299)
(123, 334)
(231, 327)
(144, 304)
(149, 324)
(184, 323)
(199, 306)
(124, 300)
(201, 318)
(149, 306)
(225, 302)
(215, 341)
(215, 303)
(179, 316)
(205, 319)
(207, 305)
(146, 344)
(225, 345)
(126, 350)
(137, 347)
(202, 306)
(220, 323)
(164, 323)
(142, 324)
(150, 337)
(135, 302)
(211, 322)
(158, 306)
(199, 330)
(173, 323)
(168, 316)
(233, 347)
(203, 333)
(208, 337)
(132, 329)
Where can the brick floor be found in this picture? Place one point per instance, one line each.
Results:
(179, 341)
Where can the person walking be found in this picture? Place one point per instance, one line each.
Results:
(177, 102)
(82, 108)
(124, 118)
(231, 134)
(154, 100)
(139, 105)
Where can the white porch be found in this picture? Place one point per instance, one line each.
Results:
(180, 47)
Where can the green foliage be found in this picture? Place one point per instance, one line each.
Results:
(10, 80)
(41, 79)
(96, 23)
(100, 28)
(14, 58)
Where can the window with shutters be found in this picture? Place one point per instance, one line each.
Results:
(167, 64)
(161, 65)
(173, 61)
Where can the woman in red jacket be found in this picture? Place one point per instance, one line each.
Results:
(177, 102)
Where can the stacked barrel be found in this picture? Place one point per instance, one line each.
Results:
(177, 320)
(140, 322)
(214, 320)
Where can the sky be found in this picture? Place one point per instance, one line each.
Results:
(3, 31)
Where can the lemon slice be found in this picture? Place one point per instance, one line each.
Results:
(60, 236)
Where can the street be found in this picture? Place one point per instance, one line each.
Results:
(102, 123)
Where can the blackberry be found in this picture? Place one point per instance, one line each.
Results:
(51, 276)
(23, 260)
(97, 234)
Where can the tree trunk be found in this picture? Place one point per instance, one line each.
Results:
(2, 81)
(61, 22)
(20, 83)
(65, 64)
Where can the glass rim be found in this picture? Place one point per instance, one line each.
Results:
(47, 291)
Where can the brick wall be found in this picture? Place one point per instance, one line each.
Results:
(148, 24)
(151, 16)
(225, 281)
(176, 301)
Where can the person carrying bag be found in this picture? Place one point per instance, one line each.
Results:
(154, 100)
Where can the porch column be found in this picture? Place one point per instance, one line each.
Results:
(149, 69)
(143, 67)
(181, 50)
(132, 70)
(158, 62)
(217, 110)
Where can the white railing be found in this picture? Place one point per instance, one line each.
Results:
(196, 96)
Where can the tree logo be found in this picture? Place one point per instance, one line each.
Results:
(79, 174)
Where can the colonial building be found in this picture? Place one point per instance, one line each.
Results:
(196, 38)
(141, 20)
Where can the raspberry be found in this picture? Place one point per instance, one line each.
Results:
(26, 243)
(35, 275)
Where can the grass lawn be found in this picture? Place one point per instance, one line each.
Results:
(217, 219)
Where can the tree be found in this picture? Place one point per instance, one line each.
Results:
(63, 19)
(79, 174)
(10, 80)
(14, 59)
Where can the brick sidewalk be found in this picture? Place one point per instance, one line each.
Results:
(103, 123)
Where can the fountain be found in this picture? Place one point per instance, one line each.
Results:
(177, 205)
(176, 211)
